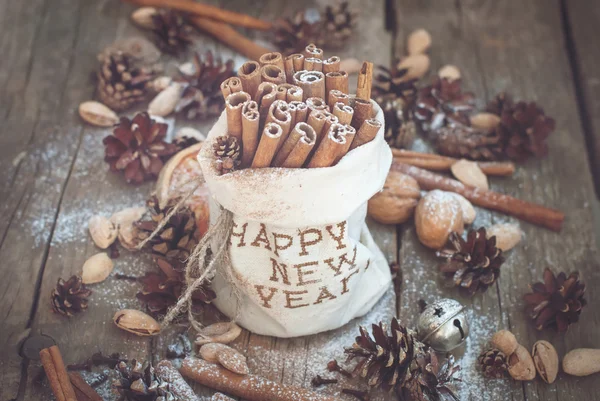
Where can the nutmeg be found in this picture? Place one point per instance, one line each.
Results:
(505, 341)
(397, 201)
(520, 364)
(437, 215)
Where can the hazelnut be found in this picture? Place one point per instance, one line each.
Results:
(505, 341)
(468, 211)
(397, 201)
(437, 215)
(520, 364)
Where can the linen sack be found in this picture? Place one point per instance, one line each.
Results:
(303, 259)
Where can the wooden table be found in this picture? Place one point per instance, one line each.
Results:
(54, 177)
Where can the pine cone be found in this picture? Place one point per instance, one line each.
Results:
(120, 83)
(70, 297)
(524, 129)
(137, 148)
(330, 28)
(227, 153)
(557, 302)
(443, 103)
(473, 264)
(201, 97)
(173, 244)
(461, 141)
(500, 103)
(173, 31)
(399, 362)
(136, 383)
(493, 363)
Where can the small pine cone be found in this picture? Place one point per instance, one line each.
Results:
(493, 363)
(443, 103)
(458, 140)
(400, 130)
(227, 152)
(173, 31)
(70, 297)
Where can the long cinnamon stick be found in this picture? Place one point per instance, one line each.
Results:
(365, 81)
(250, 126)
(313, 64)
(362, 111)
(349, 134)
(336, 80)
(366, 133)
(249, 387)
(249, 75)
(178, 386)
(233, 108)
(431, 161)
(208, 11)
(530, 212)
(56, 372)
(313, 51)
(331, 64)
(301, 150)
(83, 391)
(301, 111)
(331, 146)
(337, 96)
(229, 36)
(299, 131)
(267, 146)
(231, 85)
(343, 112)
(311, 82)
(272, 73)
(274, 58)
(292, 64)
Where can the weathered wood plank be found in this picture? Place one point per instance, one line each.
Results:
(516, 47)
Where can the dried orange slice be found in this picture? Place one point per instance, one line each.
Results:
(178, 177)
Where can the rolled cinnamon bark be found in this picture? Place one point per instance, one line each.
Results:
(316, 103)
(272, 73)
(330, 119)
(330, 147)
(265, 96)
(313, 64)
(301, 111)
(231, 85)
(311, 82)
(316, 119)
(274, 58)
(233, 107)
(249, 75)
(301, 150)
(336, 80)
(292, 64)
(365, 81)
(177, 385)
(250, 125)
(292, 110)
(57, 375)
(267, 146)
(313, 51)
(279, 113)
(366, 133)
(337, 96)
(331, 64)
(289, 92)
(350, 135)
(343, 112)
(300, 130)
(248, 387)
(363, 110)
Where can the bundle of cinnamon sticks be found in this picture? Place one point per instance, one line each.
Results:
(296, 112)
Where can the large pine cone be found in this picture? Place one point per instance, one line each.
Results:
(121, 84)
(70, 297)
(137, 148)
(474, 264)
(557, 302)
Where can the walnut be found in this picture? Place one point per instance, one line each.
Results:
(397, 201)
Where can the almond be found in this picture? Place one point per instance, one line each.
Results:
(209, 351)
(507, 235)
(124, 220)
(136, 322)
(97, 268)
(164, 103)
(469, 173)
(582, 362)
(451, 72)
(485, 121)
(142, 17)
(396, 203)
(161, 83)
(103, 231)
(416, 66)
(222, 332)
(437, 215)
(418, 42)
(233, 361)
(98, 114)
(545, 359)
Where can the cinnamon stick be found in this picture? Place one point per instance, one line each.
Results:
(249, 75)
(366, 133)
(343, 112)
(530, 212)
(248, 387)
(300, 131)
(330, 148)
(250, 125)
(55, 369)
(289, 92)
(330, 119)
(279, 114)
(265, 96)
(350, 134)
(274, 58)
(313, 64)
(301, 151)
(301, 111)
(337, 96)
(267, 146)
(229, 36)
(231, 85)
(435, 162)
(293, 63)
(83, 391)
(365, 81)
(233, 108)
(272, 73)
(363, 110)
(336, 80)
(178, 386)
(313, 51)
(331, 64)
(316, 119)
(208, 11)
(316, 103)
(311, 82)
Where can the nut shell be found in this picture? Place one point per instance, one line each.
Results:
(103, 231)
(396, 203)
(507, 235)
(468, 211)
(437, 215)
(209, 351)
(136, 322)
(98, 114)
(416, 66)
(97, 268)
(419, 41)
(545, 359)
(582, 362)
(520, 364)
(223, 332)
(505, 341)
(469, 173)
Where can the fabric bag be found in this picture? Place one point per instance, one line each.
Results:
(302, 258)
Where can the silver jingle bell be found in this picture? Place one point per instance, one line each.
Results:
(443, 325)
